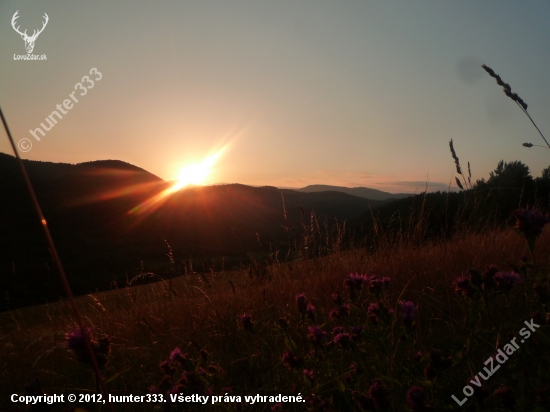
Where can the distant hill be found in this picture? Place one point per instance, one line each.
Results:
(94, 211)
(363, 192)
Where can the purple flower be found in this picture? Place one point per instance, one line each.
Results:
(316, 334)
(377, 284)
(308, 373)
(246, 322)
(75, 341)
(337, 298)
(408, 312)
(506, 280)
(301, 301)
(373, 312)
(530, 222)
(355, 282)
(337, 329)
(292, 361)
(344, 309)
(167, 368)
(463, 286)
(343, 339)
(416, 398)
(379, 395)
(310, 312)
(175, 355)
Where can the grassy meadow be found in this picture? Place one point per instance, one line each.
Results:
(313, 328)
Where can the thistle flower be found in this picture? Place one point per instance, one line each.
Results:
(167, 368)
(343, 339)
(378, 284)
(463, 286)
(408, 312)
(355, 282)
(530, 222)
(75, 342)
(310, 312)
(506, 280)
(292, 361)
(301, 301)
(316, 334)
(379, 395)
(308, 373)
(337, 298)
(246, 322)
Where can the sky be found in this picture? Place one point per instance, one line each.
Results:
(284, 93)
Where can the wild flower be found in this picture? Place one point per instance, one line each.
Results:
(355, 283)
(337, 298)
(246, 322)
(379, 395)
(310, 312)
(292, 361)
(167, 368)
(463, 286)
(308, 373)
(506, 280)
(378, 284)
(408, 312)
(204, 354)
(530, 222)
(75, 342)
(373, 312)
(343, 339)
(337, 329)
(301, 301)
(316, 334)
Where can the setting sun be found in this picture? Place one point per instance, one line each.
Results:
(197, 174)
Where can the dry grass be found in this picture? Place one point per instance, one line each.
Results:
(145, 323)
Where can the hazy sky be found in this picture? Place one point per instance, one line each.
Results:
(352, 93)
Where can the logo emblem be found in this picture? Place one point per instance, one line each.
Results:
(29, 40)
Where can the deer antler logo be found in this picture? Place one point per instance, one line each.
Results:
(29, 40)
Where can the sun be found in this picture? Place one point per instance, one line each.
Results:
(196, 174)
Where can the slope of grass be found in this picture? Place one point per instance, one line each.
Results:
(202, 313)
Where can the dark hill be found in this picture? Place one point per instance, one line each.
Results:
(364, 192)
(100, 216)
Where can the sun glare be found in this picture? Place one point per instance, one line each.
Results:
(197, 174)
